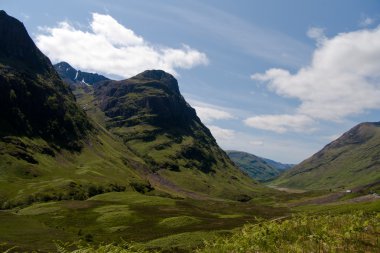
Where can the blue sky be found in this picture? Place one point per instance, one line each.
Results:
(279, 79)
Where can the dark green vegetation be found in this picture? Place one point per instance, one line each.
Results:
(350, 161)
(355, 232)
(152, 222)
(34, 101)
(127, 163)
(258, 168)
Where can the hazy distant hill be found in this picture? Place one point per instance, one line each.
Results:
(259, 168)
(351, 160)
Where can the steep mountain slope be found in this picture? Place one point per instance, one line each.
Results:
(73, 76)
(351, 160)
(136, 134)
(152, 118)
(33, 99)
(259, 168)
(49, 149)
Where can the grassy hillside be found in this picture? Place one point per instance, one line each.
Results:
(350, 161)
(258, 168)
(154, 121)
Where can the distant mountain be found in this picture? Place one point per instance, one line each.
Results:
(34, 101)
(259, 168)
(73, 76)
(278, 165)
(351, 160)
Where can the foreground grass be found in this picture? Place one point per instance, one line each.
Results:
(354, 232)
(357, 232)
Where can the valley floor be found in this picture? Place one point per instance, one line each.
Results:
(167, 224)
(153, 221)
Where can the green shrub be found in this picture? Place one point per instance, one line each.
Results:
(355, 232)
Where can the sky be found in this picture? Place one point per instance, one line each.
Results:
(279, 79)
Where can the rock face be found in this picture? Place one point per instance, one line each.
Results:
(33, 99)
(152, 96)
(149, 108)
(258, 168)
(77, 77)
(351, 160)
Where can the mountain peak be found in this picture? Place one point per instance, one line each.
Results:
(351, 160)
(73, 76)
(161, 76)
(356, 135)
(17, 49)
(34, 101)
(63, 65)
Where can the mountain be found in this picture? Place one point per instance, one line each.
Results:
(278, 165)
(152, 118)
(34, 101)
(73, 76)
(259, 168)
(351, 160)
(137, 134)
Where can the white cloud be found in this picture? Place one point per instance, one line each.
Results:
(113, 32)
(221, 133)
(110, 48)
(208, 114)
(343, 79)
(282, 123)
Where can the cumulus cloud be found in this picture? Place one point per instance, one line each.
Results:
(209, 114)
(343, 79)
(110, 48)
(281, 123)
(221, 133)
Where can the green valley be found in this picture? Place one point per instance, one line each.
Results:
(91, 164)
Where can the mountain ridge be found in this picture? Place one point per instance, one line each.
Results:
(34, 100)
(73, 76)
(261, 169)
(349, 161)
